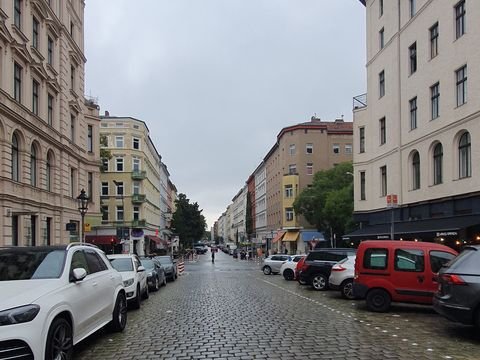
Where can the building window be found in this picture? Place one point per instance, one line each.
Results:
(383, 181)
(435, 100)
(72, 28)
(49, 172)
(33, 166)
(289, 214)
(105, 188)
(380, 7)
(136, 143)
(50, 51)
(136, 213)
(72, 127)
(105, 164)
(309, 168)
(348, 148)
(292, 169)
(119, 163)
(413, 113)
(309, 148)
(289, 191)
(434, 40)
(381, 83)
(461, 76)
(460, 19)
(412, 8)
(15, 159)
(72, 77)
(437, 164)
(383, 131)
(136, 187)
(35, 31)
(17, 82)
(291, 149)
(119, 188)
(412, 52)
(416, 171)
(362, 139)
(119, 141)
(104, 213)
(90, 185)
(35, 91)
(73, 177)
(136, 164)
(17, 13)
(362, 185)
(381, 38)
(464, 152)
(336, 148)
(120, 213)
(50, 110)
(90, 138)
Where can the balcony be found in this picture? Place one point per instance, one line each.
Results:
(360, 101)
(139, 175)
(138, 198)
(138, 223)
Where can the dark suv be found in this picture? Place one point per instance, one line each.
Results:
(316, 269)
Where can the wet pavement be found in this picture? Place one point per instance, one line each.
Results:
(231, 310)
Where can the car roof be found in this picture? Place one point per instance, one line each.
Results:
(410, 244)
(34, 248)
(119, 256)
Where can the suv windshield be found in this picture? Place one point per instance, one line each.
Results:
(147, 263)
(164, 260)
(22, 264)
(122, 264)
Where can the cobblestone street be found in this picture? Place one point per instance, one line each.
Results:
(230, 310)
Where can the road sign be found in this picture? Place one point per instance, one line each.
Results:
(87, 227)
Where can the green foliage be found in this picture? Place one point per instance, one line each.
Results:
(329, 202)
(104, 153)
(188, 221)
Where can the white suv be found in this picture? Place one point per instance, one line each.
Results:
(134, 277)
(287, 270)
(55, 296)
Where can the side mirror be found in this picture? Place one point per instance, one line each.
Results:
(140, 268)
(78, 274)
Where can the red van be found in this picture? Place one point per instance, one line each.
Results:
(398, 271)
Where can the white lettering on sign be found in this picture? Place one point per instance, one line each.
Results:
(447, 233)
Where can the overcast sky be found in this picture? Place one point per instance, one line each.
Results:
(216, 80)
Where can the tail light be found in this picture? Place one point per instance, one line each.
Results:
(338, 268)
(452, 279)
(304, 267)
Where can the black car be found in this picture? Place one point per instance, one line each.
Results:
(318, 264)
(458, 295)
(155, 273)
(169, 265)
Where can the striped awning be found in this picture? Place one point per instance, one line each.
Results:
(279, 236)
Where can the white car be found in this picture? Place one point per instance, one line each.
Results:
(341, 277)
(287, 270)
(54, 297)
(134, 277)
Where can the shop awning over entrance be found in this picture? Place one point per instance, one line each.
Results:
(101, 239)
(279, 236)
(156, 239)
(290, 236)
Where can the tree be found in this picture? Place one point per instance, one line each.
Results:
(105, 154)
(328, 204)
(188, 221)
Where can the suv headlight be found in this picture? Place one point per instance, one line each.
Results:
(127, 283)
(19, 315)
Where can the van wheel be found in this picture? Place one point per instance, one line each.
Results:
(346, 289)
(288, 274)
(319, 282)
(378, 300)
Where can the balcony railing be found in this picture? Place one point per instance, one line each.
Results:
(139, 175)
(138, 198)
(138, 223)
(360, 101)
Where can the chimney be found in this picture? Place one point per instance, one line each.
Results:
(315, 119)
(107, 113)
(338, 121)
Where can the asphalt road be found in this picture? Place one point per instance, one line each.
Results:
(230, 310)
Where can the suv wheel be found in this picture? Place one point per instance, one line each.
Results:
(378, 300)
(319, 282)
(267, 270)
(346, 289)
(119, 316)
(137, 300)
(59, 340)
(156, 286)
(288, 274)
(146, 293)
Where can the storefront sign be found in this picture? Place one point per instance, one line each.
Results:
(447, 233)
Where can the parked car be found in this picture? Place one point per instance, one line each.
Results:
(287, 270)
(341, 277)
(155, 273)
(272, 263)
(297, 270)
(200, 248)
(134, 277)
(399, 271)
(316, 269)
(169, 265)
(458, 295)
(54, 297)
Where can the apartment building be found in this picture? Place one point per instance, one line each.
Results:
(239, 213)
(260, 205)
(415, 151)
(49, 132)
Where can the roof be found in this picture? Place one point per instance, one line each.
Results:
(363, 2)
(411, 244)
(331, 127)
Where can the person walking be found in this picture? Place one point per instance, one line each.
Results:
(213, 256)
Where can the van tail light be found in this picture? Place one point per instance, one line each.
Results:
(453, 279)
(338, 268)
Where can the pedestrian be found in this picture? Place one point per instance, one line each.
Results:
(213, 256)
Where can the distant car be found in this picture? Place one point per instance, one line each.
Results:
(272, 264)
(341, 277)
(458, 295)
(287, 270)
(155, 273)
(53, 297)
(200, 248)
(134, 277)
(169, 265)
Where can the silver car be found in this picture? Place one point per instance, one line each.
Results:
(272, 263)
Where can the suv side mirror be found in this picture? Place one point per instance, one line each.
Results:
(140, 268)
(78, 274)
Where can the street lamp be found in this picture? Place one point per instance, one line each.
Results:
(82, 200)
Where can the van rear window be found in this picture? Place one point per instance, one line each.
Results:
(376, 259)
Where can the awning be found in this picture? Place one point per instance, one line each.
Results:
(311, 235)
(101, 239)
(156, 239)
(291, 236)
(278, 236)
(430, 228)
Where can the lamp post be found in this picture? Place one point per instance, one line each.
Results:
(82, 200)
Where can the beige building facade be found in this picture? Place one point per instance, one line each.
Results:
(48, 131)
(415, 139)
